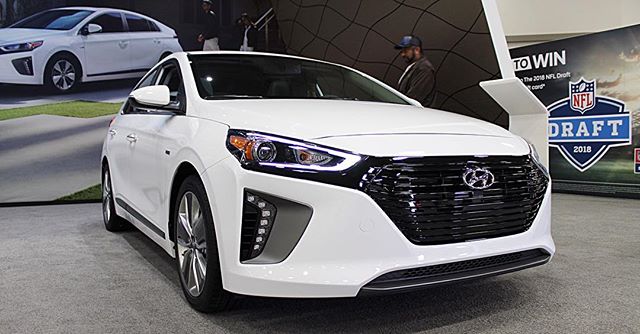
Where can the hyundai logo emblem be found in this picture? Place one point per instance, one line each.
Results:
(478, 178)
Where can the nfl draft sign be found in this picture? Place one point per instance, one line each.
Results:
(584, 126)
(590, 86)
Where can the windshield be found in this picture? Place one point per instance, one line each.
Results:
(53, 20)
(266, 77)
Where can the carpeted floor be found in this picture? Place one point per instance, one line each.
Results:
(60, 271)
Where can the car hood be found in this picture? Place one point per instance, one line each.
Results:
(18, 35)
(318, 119)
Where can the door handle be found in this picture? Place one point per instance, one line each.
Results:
(132, 138)
(113, 132)
(123, 44)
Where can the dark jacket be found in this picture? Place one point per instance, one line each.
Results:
(211, 28)
(252, 36)
(419, 83)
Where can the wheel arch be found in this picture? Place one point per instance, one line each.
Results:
(184, 170)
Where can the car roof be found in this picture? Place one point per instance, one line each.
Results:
(103, 9)
(107, 9)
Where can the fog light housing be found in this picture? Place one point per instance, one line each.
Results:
(24, 65)
(258, 216)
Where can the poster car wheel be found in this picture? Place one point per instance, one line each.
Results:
(281, 176)
(62, 73)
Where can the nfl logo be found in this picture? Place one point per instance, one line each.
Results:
(582, 95)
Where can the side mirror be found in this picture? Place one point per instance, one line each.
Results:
(91, 28)
(155, 96)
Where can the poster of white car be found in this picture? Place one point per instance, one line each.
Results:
(61, 48)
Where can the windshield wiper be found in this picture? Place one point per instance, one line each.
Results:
(231, 96)
(335, 97)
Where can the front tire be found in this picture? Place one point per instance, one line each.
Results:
(62, 74)
(196, 249)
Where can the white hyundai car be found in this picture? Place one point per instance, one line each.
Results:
(61, 48)
(280, 176)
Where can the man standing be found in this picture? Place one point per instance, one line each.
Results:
(418, 81)
(248, 34)
(211, 28)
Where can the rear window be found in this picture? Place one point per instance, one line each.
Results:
(137, 23)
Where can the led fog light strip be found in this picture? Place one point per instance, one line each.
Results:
(266, 217)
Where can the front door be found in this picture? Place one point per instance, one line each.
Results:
(147, 167)
(107, 52)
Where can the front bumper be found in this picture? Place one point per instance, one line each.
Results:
(10, 74)
(348, 242)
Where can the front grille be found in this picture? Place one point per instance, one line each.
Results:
(455, 271)
(429, 202)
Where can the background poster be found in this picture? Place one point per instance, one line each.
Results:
(591, 87)
(3, 11)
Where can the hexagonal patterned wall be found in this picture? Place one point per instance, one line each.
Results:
(362, 34)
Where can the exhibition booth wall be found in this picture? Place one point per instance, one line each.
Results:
(362, 34)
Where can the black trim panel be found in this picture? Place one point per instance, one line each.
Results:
(119, 72)
(140, 218)
(393, 283)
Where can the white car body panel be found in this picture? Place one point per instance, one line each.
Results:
(103, 56)
(340, 251)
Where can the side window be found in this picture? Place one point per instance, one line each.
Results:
(110, 22)
(153, 26)
(170, 77)
(149, 80)
(137, 23)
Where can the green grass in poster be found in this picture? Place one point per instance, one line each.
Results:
(81, 109)
(93, 193)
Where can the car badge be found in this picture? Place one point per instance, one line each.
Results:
(478, 178)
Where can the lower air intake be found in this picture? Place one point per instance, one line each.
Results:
(457, 271)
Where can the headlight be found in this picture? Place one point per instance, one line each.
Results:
(536, 159)
(255, 150)
(21, 47)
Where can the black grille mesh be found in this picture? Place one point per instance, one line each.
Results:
(250, 219)
(429, 202)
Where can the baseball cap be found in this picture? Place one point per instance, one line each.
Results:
(407, 41)
(207, 1)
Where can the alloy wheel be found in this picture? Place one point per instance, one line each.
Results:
(63, 74)
(106, 197)
(191, 244)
